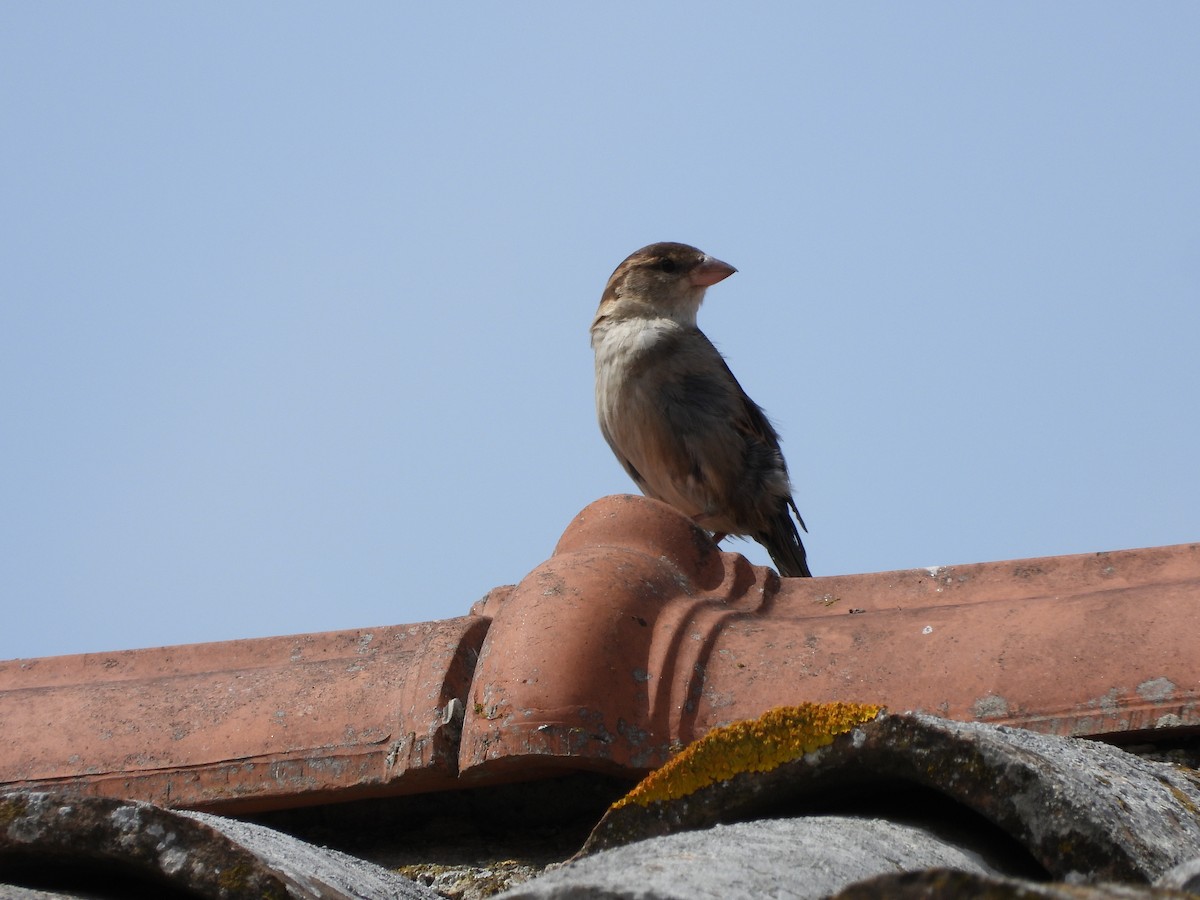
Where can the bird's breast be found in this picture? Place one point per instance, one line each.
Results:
(623, 341)
(625, 350)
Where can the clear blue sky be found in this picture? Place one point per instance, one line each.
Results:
(294, 298)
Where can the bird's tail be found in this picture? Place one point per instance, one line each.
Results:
(784, 545)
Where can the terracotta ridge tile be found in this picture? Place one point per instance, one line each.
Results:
(636, 637)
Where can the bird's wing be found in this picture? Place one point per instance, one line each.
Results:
(732, 447)
(758, 432)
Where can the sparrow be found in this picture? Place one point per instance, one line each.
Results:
(674, 415)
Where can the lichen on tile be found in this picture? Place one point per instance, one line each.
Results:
(778, 736)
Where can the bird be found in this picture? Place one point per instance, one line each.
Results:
(674, 414)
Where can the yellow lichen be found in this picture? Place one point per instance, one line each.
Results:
(1184, 800)
(777, 736)
(240, 879)
(11, 809)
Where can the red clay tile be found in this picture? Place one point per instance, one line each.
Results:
(246, 724)
(635, 637)
(638, 635)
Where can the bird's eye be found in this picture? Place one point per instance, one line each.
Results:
(667, 265)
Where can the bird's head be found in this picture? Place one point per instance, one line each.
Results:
(662, 280)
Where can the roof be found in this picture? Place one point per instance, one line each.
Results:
(897, 802)
(636, 638)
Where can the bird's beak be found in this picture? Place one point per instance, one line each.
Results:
(710, 272)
